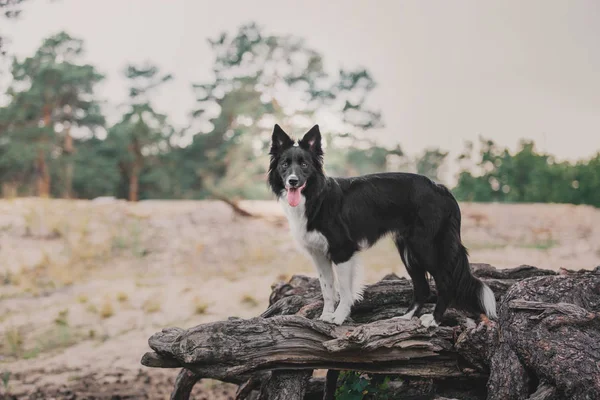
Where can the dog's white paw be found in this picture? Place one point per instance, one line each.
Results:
(428, 320)
(326, 316)
(339, 318)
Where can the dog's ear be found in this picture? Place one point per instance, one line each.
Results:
(312, 140)
(280, 140)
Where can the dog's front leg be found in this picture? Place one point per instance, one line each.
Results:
(350, 286)
(326, 279)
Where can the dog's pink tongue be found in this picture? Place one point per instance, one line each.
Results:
(293, 196)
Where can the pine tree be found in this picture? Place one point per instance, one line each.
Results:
(142, 132)
(259, 80)
(52, 95)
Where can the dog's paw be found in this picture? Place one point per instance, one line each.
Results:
(327, 317)
(428, 320)
(339, 318)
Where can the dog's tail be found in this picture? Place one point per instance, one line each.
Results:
(469, 292)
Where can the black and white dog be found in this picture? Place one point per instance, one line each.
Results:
(332, 219)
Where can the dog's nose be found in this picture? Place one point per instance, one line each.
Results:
(292, 181)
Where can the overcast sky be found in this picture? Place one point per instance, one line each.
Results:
(447, 71)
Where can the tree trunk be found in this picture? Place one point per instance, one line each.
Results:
(133, 184)
(43, 173)
(544, 345)
(286, 385)
(550, 339)
(68, 151)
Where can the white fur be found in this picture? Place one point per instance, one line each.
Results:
(327, 281)
(309, 242)
(349, 276)
(315, 244)
(488, 301)
(428, 320)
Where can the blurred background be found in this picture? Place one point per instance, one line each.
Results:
(133, 156)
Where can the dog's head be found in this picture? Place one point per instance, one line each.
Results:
(295, 166)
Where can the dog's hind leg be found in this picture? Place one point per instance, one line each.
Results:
(422, 248)
(421, 290)
(350, 286)
(327, 281)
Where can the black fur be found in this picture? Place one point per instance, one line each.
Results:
(422, 216)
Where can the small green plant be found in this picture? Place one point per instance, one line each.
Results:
(122, 297)
(91, 308)
(13, 337)
(5, 379)
(119, 243)
(544, 244)
(249, 300)
(200, 307)
(61, 319)
(151, 305)
(107, 311)
(354, 385)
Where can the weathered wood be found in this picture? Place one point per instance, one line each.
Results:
(286, 385)
(387, 298)
(544, 392)
(523, 352)
(184, 384)
(254, 383)
(221, 349)
(549, 331)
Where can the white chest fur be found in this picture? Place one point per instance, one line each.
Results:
(310, 242)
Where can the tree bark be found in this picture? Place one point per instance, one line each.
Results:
(545, 345)
(43, 173)
(68, 151)
(133, 184)
(184, 384)
(286, 385)
(550, 333)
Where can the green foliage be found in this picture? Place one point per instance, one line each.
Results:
(142, 134)
(5, 379)
(528, 176)
(430, 162)
(52, 94)
(54, 139)
(259, 80)
(354, 385)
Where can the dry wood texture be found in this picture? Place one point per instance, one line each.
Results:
(545, 345)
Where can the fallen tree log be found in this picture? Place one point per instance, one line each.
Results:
(549, 329)
(539, 308)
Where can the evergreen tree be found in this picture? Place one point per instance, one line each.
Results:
(259, 80)
(51, 95)
(430, 163)
(142, 133)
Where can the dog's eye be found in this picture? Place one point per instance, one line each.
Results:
(304, 165)
(284, 165)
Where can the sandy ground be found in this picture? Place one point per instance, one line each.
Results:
(83, 284)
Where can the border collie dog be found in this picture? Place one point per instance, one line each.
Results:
(333, 219)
